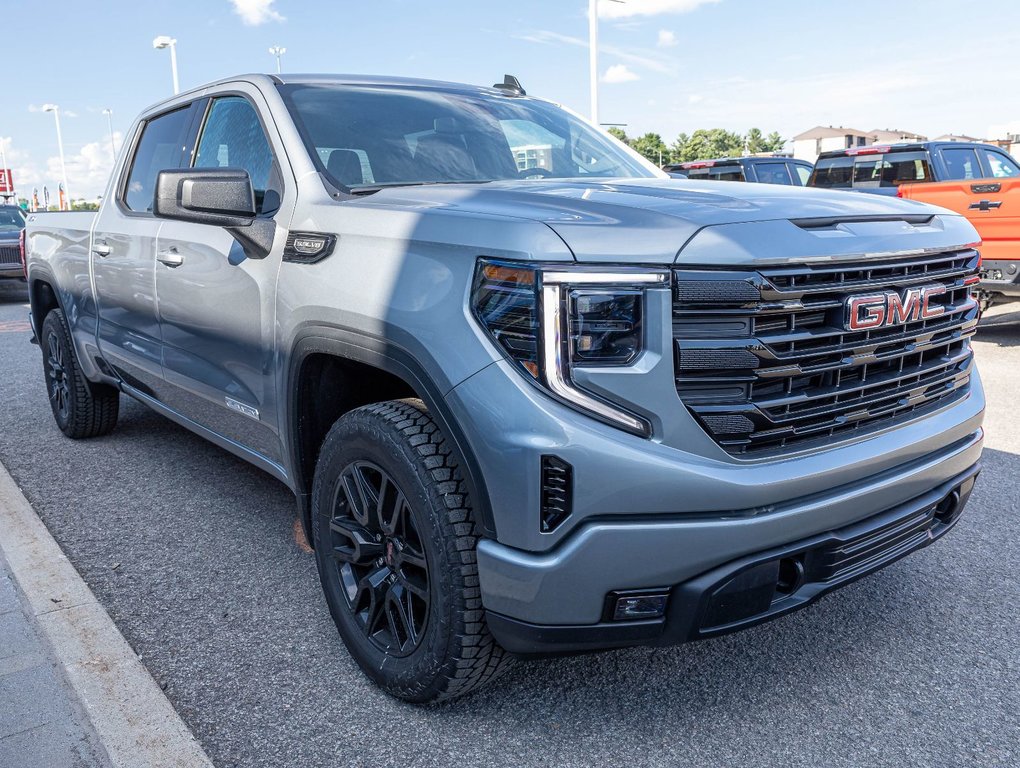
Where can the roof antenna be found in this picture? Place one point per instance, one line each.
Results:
(511, 85)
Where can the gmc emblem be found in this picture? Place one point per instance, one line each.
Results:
(881, 310)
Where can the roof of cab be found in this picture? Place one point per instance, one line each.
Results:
(269, 80)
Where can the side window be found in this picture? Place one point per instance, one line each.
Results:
(1001, 166)
(803, 174)
(159, 149)
(961, 163)
(233, 138)
(773, 173)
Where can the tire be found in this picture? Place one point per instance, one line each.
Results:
(401, 580)
(80, 407)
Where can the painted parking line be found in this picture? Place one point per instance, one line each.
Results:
(15, 326)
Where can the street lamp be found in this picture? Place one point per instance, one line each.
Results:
(278, 52)
(161, 42)
(593, 55)
(113, 145)
(7, 173)
(60, 146)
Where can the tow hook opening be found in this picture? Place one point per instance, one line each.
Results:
(947, 510)
(791, 575)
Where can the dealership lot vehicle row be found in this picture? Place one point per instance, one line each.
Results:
(194, 555)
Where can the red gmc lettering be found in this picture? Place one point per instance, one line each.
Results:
(885, 309)
(932, 311)
(903, 310)
(867, 312)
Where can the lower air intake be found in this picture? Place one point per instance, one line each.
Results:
(557, 492)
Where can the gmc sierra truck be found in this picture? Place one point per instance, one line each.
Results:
(524, 410)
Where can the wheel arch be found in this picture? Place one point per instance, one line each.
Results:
(393, 373)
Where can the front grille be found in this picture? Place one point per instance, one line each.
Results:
(764, 361)
(9, 255)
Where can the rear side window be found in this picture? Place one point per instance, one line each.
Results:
(962, 163)
(833, 173)
(159, 149)
(233, 138)
(1001, 166)
(801, 175)
(891, 170)
(772, 173)
(716, 173)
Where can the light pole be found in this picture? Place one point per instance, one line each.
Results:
(593, 55)
(113, 144)
(9, 183)
(163, 41)
(60, 146)
(278, 52)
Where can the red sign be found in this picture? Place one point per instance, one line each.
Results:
(6, 180)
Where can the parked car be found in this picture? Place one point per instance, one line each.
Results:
(993, 206)
(882, 168)
(764, 170)
(520, 415)
(12, 222)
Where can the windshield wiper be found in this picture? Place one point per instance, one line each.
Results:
(368, 189)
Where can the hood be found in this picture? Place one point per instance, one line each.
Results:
(642, 220)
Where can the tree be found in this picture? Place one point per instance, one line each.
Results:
(774, 142)
(676, 149)
(706, 144)
(620, 134)
(652, 147)
(754, 141)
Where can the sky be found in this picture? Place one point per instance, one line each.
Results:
(669, 66)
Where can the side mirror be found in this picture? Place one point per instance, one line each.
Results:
(221, 197)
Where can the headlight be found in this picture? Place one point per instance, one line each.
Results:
(551, 320)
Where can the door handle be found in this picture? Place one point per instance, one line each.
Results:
(100, 248)
(985, 205)
(170, 257)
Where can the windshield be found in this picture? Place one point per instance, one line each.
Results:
(11, 219)
(366, 136)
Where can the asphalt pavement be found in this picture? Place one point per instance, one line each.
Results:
(194, 555)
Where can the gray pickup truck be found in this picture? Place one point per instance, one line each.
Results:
(532, 395)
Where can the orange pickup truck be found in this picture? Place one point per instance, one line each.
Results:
(993, 207)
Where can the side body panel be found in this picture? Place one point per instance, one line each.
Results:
(217, 314)
(991, 205)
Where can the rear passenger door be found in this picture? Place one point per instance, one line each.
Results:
(124, 252)
(216, 305)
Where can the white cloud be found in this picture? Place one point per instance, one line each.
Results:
(619, 73)
(88, 168)
(694, 98)
(613, 10)
(657, 62)
(667, 38)
(256, 12)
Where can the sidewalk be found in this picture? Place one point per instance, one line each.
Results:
(72, 691)
(41, 720)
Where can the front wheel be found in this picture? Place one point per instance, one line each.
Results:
(80, 407)
(395, 547)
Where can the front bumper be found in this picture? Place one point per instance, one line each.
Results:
(760, 586)
(1001, 276)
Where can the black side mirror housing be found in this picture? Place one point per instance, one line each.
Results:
(221, 197)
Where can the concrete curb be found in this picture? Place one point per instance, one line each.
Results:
(134, 720)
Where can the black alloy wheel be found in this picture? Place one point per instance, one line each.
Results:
(381, 561)
(395, 544)
(56, 378)
(81, 408)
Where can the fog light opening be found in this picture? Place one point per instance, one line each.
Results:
(947, 510)
(791, 575)
(633, 606)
